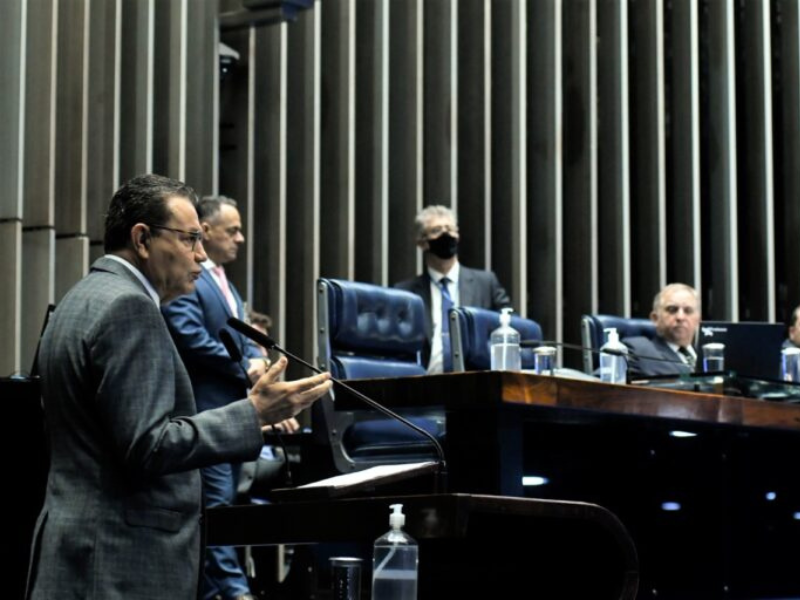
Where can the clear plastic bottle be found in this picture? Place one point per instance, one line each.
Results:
(504, 345)
(394, 563)
(614, 365)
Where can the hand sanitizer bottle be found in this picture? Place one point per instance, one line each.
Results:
(504, 344)
(614, 364)
(394, 563)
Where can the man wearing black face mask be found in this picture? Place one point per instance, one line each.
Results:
(446, 283)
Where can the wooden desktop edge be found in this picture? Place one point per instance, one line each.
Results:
(486, 389)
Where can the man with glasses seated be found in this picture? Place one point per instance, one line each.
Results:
(676, 315)
(195, 321)
(446, 283)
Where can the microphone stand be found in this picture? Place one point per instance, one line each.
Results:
(268, 342)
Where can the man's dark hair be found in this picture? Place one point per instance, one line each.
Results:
(141, 200)
(209, 206)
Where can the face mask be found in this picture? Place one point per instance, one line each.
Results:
(445, 246)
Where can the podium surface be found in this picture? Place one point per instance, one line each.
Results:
(470, 545)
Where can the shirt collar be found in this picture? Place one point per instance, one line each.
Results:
(208, 264)
(139, 275)
(452, 276)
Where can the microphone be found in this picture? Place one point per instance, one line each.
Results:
(236, 356)
(268, 342)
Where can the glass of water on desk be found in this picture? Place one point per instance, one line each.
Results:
(790, 364)
(713, 357)
(544, 360)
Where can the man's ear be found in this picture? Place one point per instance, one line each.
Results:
(140, 237)
(206, 227)
(423, 245)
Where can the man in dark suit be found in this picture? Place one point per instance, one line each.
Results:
(195, 321)
(446, 283)
(676, 315)
(121, 517)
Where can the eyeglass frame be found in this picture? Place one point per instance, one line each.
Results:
(195, 236)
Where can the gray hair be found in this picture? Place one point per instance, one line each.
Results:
(427, 213)
(209, 206)
(673, 287)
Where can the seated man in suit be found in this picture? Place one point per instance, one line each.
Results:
(446, 283)
(676, 315)
(793, 331)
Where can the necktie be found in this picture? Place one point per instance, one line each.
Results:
(447, 304)
(219, 271)
(688, 357)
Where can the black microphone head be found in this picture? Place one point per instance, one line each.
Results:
(227, 340)
(252, 333)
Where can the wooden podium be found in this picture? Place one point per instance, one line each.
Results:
(471, 546)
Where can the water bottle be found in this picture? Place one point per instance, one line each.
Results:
(394, 562)
(614, 365)
(504, 344)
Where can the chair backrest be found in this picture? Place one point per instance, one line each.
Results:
(470, 329)
(368, 331)
(593, 334)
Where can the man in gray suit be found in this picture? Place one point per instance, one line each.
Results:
(676, 315)
(121, 517)
(447, 283)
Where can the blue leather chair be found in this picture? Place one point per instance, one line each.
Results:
(369, 331)
(593, 334)
(470, 329)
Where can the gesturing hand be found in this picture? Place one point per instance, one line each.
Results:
(276, 400)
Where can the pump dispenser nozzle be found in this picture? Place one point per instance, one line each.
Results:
(505, 316)
(397, 519)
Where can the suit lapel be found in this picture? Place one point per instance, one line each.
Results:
(466, 287)
(669, 354)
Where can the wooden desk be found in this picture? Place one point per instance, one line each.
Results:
(469, 544)
(705, 484)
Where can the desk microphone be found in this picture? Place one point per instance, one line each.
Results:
(236, 356)
(268, 342)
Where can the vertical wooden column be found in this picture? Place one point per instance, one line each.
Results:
(406, 159)
(720, 219)
(787, 163)
(38, 233)
(545, 167)
(474, 131)
(683, 148)
(509, 148)
(372, 141)
(648, 159)
(440, 103)
(580, 166)
(755, 176)
(337, 165)
(613, 160)
(137, 88)
(303, 180)
(270, 113)
(72, 242)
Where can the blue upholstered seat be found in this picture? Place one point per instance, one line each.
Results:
(593, 334)
(470, 329)
(369, 331)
